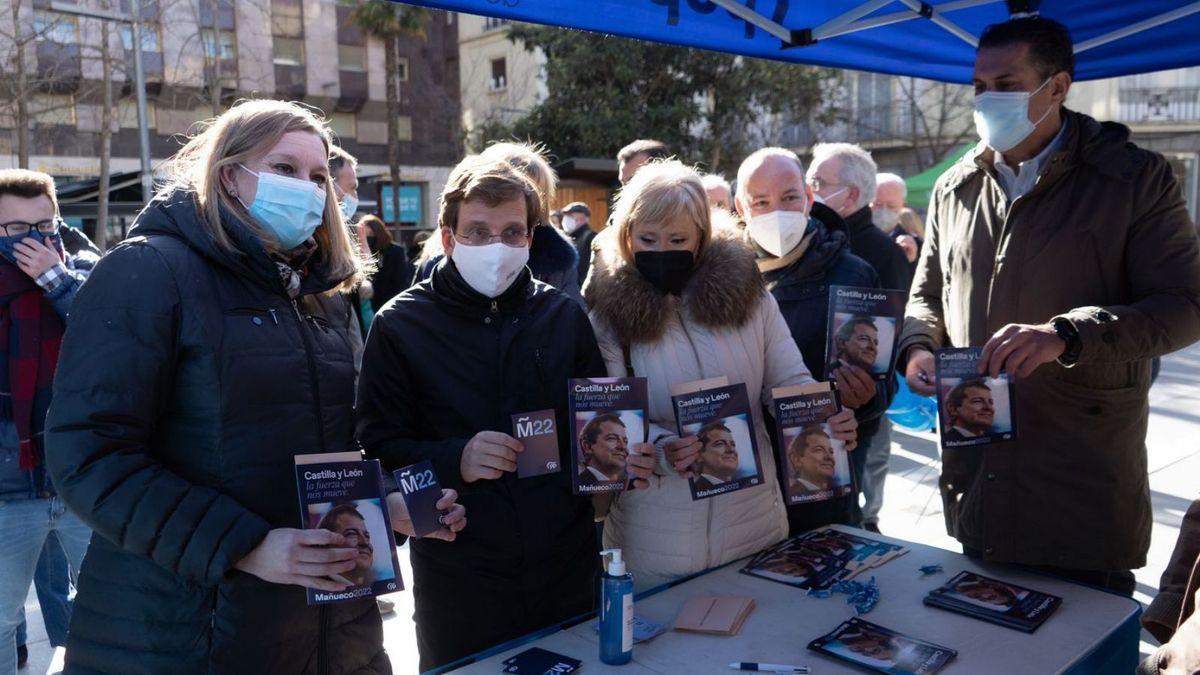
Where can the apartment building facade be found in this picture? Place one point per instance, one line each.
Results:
(200, 56)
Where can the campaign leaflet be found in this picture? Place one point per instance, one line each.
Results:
(882, 650)
(538, 431)
(973, 409)
(864, 329)
(721, 418)
(609, 416)
(421, 491)
(343, 493)
(815, 465)
(820, 558)
(995, 601)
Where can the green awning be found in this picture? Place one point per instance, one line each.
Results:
(920, 186)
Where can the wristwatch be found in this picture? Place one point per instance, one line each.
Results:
(1069, 334)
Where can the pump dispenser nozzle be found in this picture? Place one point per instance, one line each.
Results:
(616, 566)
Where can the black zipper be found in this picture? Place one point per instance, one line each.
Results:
(312, 374)
(541, 371)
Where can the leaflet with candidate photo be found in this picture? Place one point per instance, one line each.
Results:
(821, 558)
(816, 466)
(864, 329)
(882, 650)
(973, 408)
(342, 493)
(993, 600)
(608, 415)
(723, 422)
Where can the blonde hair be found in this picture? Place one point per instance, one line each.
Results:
(660, 191)
(531, 160)
(911, 222)
(245, 132)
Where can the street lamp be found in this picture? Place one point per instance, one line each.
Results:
(133, 18)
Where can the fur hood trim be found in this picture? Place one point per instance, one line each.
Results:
(724, 291)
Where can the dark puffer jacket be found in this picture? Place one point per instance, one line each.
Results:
(187, 382)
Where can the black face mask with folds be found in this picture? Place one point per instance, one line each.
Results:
(667, 271)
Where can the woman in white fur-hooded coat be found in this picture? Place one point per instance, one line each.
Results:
(687, 318)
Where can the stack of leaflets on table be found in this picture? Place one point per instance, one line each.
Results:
(973, 408)
(994, 601)
(816, 466)
(821, 558)
(608, 415)
(343, 493)
(882, 649)
(719, 415)
(864, 329)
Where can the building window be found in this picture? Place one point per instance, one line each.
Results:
(404, 127)
(287, 18)
(352, 57)
(874, 110)
(492, 23)
(289, 51)
(499, 79)
(55, 27)
(47, 109)
(219, 44)
(148, 33)
(126, 114)
(402, 69)
(345, 125)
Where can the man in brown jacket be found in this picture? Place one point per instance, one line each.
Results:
(1067, 253)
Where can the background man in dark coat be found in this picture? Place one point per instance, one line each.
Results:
(447, 364)
(1078, 339)
(771, 180)
(843, 174)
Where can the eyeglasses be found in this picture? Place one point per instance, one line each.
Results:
(17, 228)
(481, 236)
(819, 184)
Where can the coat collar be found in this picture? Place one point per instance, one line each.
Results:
(1100, 145)
(723, 292)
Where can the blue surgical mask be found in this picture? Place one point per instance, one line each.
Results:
(349, 206)
(8, 243)
(292, 209)
(1002, 117)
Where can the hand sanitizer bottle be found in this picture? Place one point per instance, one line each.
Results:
(616, 611)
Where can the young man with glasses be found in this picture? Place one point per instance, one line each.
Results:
(38, 282)
(447, 364)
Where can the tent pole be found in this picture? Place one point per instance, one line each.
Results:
(1152, 22)
(746, 14)
(898, 17)
(946, 24)
(822, 31)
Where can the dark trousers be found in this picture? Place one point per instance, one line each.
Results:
(1117, 581)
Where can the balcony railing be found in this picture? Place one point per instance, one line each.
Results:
(492, 23)
(1159, 104)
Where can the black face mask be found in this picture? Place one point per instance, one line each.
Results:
(667, 271)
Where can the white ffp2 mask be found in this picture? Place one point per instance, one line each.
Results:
(489, 269)
(778, 232)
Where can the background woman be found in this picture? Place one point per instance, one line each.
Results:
(197, 364)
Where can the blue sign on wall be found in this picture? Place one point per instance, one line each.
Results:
(410, 203)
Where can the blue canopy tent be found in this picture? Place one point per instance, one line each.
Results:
(934, 40)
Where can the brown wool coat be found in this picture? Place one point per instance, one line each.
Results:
(1104, 239)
